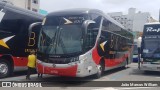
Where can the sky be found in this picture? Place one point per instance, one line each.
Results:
(107, 6)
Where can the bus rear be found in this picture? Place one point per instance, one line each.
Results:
(150, 47)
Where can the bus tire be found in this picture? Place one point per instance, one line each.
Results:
(5, 68)
(100, 69)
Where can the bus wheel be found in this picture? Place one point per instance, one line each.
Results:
(5, 68)
(100, 70)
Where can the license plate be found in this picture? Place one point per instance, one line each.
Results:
(54, 71)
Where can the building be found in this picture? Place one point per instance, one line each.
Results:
(123, 19)
(26, 4)
(133, 21)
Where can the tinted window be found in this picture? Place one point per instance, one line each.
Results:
(12, 22)
(97, 19)
(105, 25)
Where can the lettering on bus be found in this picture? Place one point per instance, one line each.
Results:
(32, 39)
(155, 37)
(150, 29)
(29, 50)
(74, 20)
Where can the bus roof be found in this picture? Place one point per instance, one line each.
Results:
(14, 8)
(86, 11)
(152, 23)
(74, 11)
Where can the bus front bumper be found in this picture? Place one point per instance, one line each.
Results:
(71, 70)
(56, 69)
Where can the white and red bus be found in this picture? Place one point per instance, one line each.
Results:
(82, 42)
(15, 44)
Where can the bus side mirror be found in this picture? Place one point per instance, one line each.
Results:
(32, 26)
(87, 23)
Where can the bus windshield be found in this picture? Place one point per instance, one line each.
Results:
(135, 50)
(151, 48)
(62, 35)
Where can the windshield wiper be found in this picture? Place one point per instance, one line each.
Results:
(60, 41)
(52, 41)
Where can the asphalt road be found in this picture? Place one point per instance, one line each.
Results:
(89, 83)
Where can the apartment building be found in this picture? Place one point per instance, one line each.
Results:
(32, 5)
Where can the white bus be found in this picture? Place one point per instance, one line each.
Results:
(82, 42)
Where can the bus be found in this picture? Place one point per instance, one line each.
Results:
(82, 42)
(135, 51)
(150, 47)
(15, 43)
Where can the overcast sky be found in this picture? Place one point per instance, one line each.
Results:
(151, 6)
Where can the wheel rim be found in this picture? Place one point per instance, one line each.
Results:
(3, 68)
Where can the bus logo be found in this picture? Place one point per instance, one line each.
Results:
(3, 41)
(150, 29)
(67, 21)
(6, 84)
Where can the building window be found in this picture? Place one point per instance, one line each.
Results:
(35, 1)
(35, 10)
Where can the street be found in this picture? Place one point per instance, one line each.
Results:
(128, 74)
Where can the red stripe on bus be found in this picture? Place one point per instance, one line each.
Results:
(95, 56)
(108, 62)
(69, 71)
(116, 61)
(20, 61)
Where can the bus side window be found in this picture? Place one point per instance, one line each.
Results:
(92, 31)
(11, 22)
(97, 18)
